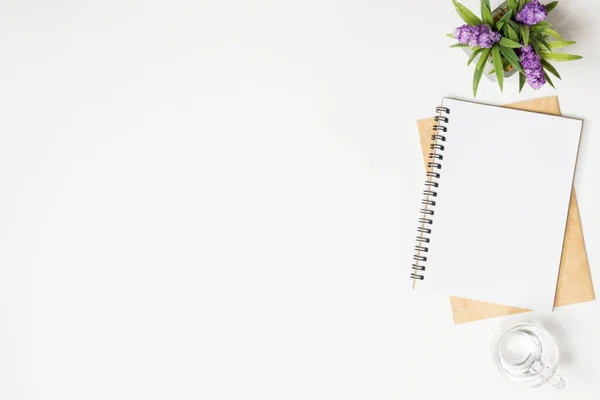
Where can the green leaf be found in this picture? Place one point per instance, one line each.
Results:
(466, 14)
(539, 26)
(512, 33)
(548, 80)
(551, 6)
(476, 79)
(544, 43)
(498, 65)
(550, 68)
(484, 4)
(512, 4)
(504, 32)
(510, 43)
(559, 44)
(505, 17)
(450, 35)
(514, 25)
(511, 56)
(553, 33)
(486, 14)
(473, 55)
(535, 43)
(521, 81)
(483, 58)
(459, 45)
(559, 56)
(525, 34)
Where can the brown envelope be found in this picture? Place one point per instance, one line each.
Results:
(574, 278)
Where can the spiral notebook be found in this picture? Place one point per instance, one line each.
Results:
(478, 238)
(574, 278)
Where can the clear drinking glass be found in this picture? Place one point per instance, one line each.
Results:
(527, 355)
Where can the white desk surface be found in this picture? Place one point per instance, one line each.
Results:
(217, 200)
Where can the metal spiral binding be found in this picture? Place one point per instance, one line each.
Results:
(434, 165)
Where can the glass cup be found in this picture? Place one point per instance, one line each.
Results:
(527, 355)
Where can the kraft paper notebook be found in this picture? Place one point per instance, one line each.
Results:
(574, 280)
(477, 238)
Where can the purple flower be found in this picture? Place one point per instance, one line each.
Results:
(480, 35)
(532, 13)
(532, 64)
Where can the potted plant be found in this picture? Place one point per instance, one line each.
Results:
(515, 37)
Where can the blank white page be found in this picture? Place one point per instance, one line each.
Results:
(501, 205)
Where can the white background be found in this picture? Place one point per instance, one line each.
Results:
(217, 200)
